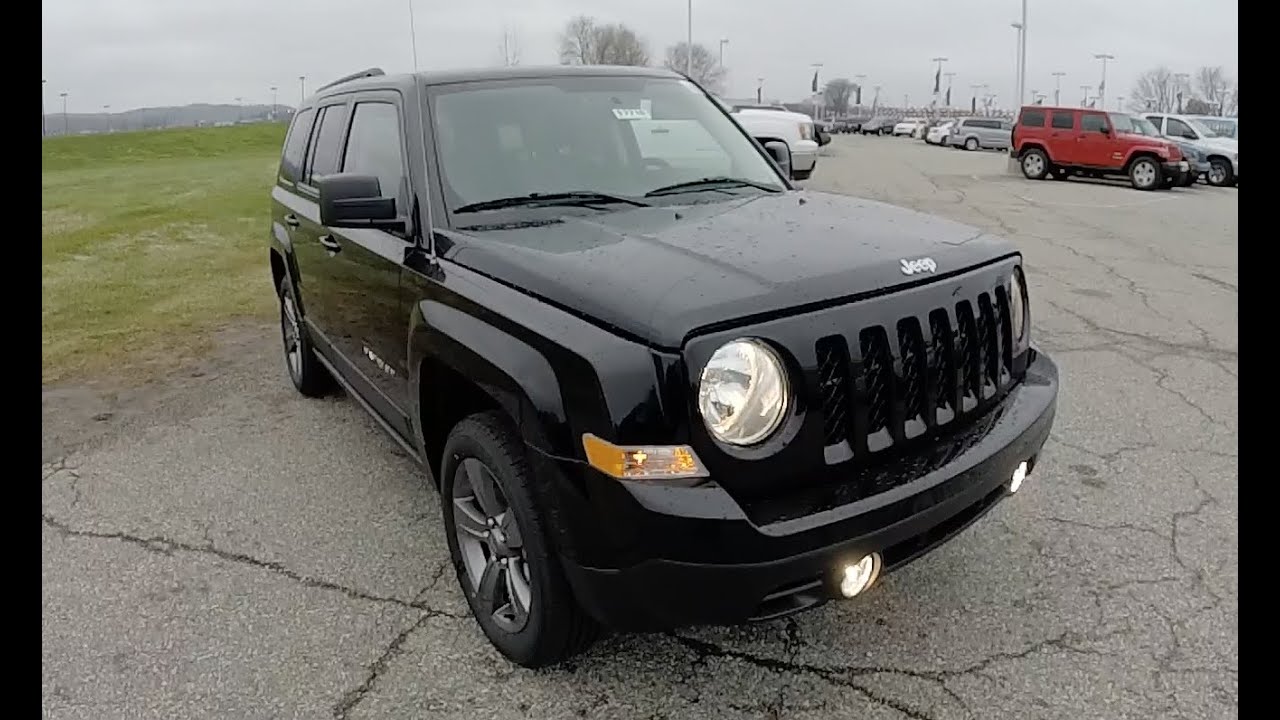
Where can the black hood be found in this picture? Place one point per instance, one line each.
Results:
(661, 273)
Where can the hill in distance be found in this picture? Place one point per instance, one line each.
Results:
(197, 115)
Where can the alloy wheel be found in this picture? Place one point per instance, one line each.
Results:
(291, 334)
(1217, 174)
(1144, 173)
(492, 546)
(1033, 164)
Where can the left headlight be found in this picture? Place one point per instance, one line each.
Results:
(1019, 322)
(743, 393)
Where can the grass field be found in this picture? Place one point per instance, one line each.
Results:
(150, 241)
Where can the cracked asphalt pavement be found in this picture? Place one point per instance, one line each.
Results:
(216, 546)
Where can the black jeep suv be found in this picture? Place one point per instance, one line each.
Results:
(654, 383)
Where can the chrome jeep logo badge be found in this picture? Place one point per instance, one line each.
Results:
(919, 265)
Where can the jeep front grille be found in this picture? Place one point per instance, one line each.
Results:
(884, 386)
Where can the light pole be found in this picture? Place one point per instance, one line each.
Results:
(1057, 87)
(65, 127)
(44, 131)
(723, 42)
(875, 99)
(1120, 102)
(1102, 86)
(274, 104)
(302, 83)
(413, 37)
(1182, 80)
(1085, 100)
(1021, 72)
(688, 41)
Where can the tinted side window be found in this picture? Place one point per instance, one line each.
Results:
(295, 145)
(1092, 122)
(1032, 118)
(1158, 121)
(1063, 120)
(373, 148)
(327, 147)
(1177, 128)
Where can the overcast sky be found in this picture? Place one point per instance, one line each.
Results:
(135, 53)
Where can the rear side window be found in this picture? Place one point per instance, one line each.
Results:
(1177, 128)
(326, 150)
(1032, 118)
(295, 145)
(1157, 120)
(1063, 120)
(1093, 122)
(373, 148)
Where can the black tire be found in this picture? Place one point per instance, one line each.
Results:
(555, 626)
(1146, 174)
(1059, 173)
(308, 375)
(971, 144)
(1220, 173)
(1034, 164)
(1190, 179)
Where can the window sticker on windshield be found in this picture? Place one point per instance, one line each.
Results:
(632, 113)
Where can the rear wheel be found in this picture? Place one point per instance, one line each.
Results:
(1220, 173)
(1145, 174)
(1035, 164)
(306, 372)
(971, 144)
(504, 563)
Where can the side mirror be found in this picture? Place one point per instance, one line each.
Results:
(781, 155)
(355, 201)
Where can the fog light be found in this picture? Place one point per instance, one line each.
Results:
(1019, 474)
(860, 575)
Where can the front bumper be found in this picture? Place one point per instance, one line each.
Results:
(711, 564)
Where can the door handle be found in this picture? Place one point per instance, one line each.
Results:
(330, 244)
(291, 220)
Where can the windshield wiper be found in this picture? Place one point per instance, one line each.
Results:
(577, 198)
(710, 183)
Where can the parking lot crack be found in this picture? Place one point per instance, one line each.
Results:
(168, 546)
(353, 697)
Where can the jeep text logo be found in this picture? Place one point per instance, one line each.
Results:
(919, 265)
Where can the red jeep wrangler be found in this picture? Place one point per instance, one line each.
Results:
(1062, 141)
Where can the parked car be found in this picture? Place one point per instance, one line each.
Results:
(1224, 153)
(938, 134)
(975, 133)
(1197, 159)
(794, 129)
(645, 401)
(878, 125)
(1225, 127)
(1065, 140)
(908, 127)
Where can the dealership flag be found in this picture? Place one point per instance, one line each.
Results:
(948, 97)
(973, 105)
(814, 87)
(857, 95)
(937, 80)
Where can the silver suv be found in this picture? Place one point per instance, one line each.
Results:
(974, 133)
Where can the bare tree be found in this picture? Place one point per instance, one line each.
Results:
(509, 48)
(705, 68)
(1155, 91)
(586, 42)
(836, 94)
(1212, 84)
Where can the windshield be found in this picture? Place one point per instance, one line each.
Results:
(1143, 126)
(1204, 130)
(1123, 123)
(622, 136)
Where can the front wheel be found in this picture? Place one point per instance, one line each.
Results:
(1220, 173)
(1035, 164)
(971, 144)
(512, 580)
(1145, 174)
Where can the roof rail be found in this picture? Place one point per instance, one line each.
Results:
(371, 72)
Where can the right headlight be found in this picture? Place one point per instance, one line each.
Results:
(1019, 321)
(743, 393)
